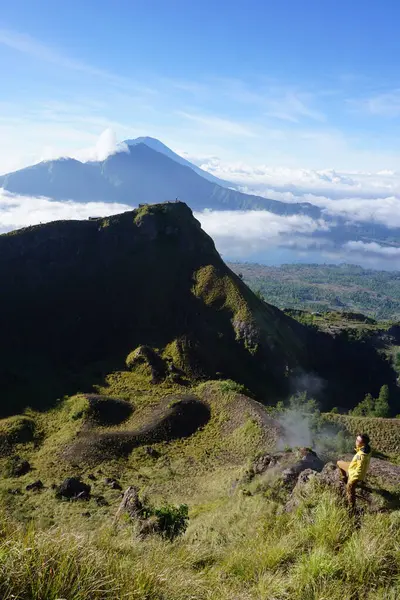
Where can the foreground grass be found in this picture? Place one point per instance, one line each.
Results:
(242, 548)
(237, 547)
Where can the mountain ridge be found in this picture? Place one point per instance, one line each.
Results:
(144, 175)
(85, 299)
(82, 295)
(141, 175)
(158, 146)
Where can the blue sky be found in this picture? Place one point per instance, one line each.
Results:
(297, 84)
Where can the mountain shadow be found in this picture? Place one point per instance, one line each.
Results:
(78, 297)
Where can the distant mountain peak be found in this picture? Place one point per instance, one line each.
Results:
(159, 146)
(143, 175)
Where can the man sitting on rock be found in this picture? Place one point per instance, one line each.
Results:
(354, 472)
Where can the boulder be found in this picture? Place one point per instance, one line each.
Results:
(372, 495)
(130, 504)
(300, 489)
(150, 525)
(288, 464)
(264, 462)
(20, 467)
(309, 460)
(112, 483)
(35, 486)
(73, 488)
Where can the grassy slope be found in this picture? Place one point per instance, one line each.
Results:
(236, 546)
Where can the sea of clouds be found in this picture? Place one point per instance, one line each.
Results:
(359, 197)
(238, 235)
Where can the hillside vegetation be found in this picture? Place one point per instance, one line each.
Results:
(82, 296)
(239, 542)
(326, 287)
(159, 421)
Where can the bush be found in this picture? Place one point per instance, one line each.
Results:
(373, 407)
(172, 520)
(228, 385)
(382, 402)
(365, 408)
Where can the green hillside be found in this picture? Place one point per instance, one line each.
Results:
(155, 414)
(81, 296)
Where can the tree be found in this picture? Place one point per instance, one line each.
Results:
(373, 407)
(397, 362)
(381, 408)
(365, 408)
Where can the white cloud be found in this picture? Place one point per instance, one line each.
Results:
(21, 211)
(355, 196)
(383, 211)
(272, 239)
(242, 233)
(383, 105)
(220, 125)
(373, 248)
(291, 106)
(105, 146)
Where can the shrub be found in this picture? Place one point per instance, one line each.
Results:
(364, 408)
(228, 385)
(373, 407)
(172, 520)
(382, 402)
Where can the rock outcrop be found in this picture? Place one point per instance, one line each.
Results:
(371, 496)
(288, 465)
(73, 489)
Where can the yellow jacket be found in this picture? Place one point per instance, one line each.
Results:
(359, 465)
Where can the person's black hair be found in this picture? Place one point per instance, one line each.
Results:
(365, 440)
(364, 437)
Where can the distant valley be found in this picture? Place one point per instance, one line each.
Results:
(326, 287)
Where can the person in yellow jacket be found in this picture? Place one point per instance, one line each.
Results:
(354, 472)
